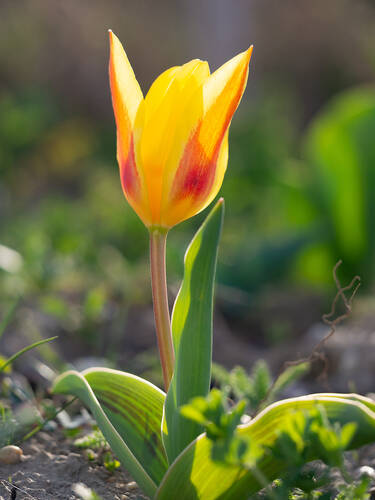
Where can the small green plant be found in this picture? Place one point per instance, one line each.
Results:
(110, 463)
(98, 449)
(94, 440)
(220, 424)
(312, 435)
(257, 389)
(300, 438)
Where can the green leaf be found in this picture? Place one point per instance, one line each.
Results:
(128, 411)
(370, 403)
(195, 475)
(192, 333)
(285, 379)
(13, 358)
(339, 144)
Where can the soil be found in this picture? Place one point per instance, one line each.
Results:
(52, 465)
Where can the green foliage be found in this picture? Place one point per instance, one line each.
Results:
(192, 333)
(230, 459)
(339, 146)
(94, 440)
(357, 490)
(196, 475)
(315, 434)
(10, 360)
(287, 377)
(257, 389)
(303, 436)
(306, 435)
(220, 425)
(253, 388)
(310, 486)
(110, 463)
(128, 411)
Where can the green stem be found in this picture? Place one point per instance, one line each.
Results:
(158, 238)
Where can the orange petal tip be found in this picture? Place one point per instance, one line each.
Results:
(249, 51)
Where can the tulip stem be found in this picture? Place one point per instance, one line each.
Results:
(158, 238)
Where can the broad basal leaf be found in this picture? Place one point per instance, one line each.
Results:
(196, 476)
(192, 333)
(128, 411)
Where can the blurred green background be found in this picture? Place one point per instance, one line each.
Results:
(298, 190)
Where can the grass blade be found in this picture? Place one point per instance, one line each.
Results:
(22, 351)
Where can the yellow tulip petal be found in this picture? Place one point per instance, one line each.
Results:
(158, 89)
(125, 90)
(210, 178)
(222, 93)
(200, 171)
(126, 99)
(164, 105)
(172, 146)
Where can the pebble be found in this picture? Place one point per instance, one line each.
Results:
(124, 497)
(365, 470)
(10, 454)
(132, 486)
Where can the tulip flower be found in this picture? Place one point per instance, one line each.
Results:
(172, 150)
(172, 145)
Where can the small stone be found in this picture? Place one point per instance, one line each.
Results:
(132, 486)
(366, 470)
(124, 497)
(10, 455)
(44, 437)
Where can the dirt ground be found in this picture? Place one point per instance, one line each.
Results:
(52, 465)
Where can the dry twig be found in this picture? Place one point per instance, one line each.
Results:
(330, 320)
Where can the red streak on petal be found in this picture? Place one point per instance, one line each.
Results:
(129, 174)
(196, 173)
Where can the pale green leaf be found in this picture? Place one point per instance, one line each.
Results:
(192, 333)
(128, 411)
